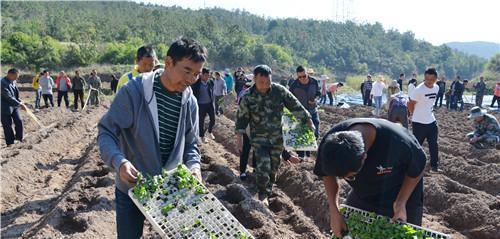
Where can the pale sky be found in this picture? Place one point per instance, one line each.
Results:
(436, 21)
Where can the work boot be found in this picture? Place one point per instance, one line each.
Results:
(243, 176)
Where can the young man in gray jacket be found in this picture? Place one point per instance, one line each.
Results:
(151, 125)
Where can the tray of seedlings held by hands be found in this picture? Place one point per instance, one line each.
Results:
(297, 135)
(179, 206)
(363, 224)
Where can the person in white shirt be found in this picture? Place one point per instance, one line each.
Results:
(421, 108)
(377, 92)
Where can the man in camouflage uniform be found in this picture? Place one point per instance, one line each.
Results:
(487, 129)
(480, 91)
(262, 109)
(95, 87)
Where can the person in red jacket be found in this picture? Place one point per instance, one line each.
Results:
(63, 83)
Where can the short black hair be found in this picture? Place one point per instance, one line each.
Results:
(402, 74)
(13, 71)
(44, 71)
(300, 69)
(342, 153)
(217, 73)
(340, 84)
(205, 70)
(145, 51)
(431, 71)
(187, 48)
(458, 77)
(263, 70)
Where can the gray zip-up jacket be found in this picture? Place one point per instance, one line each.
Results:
(129, 131)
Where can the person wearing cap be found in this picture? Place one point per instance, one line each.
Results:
(146, 60)
(424, 123)
(262, 109)
(486, 132)
(381, 161)
(367, 89)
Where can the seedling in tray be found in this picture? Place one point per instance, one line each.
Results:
(179, 206)
(300, 133)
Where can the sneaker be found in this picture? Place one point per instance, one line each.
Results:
(435, 170)
(211, 136)
(243, 176)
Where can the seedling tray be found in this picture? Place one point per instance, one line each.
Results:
(288, 126)
(368, 218)
(190, 214)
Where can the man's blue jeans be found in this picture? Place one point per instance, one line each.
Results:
(129, 219)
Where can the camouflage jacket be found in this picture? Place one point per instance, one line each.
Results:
(263, 113)
(489, 126)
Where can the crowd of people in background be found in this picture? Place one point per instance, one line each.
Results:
(179, 95)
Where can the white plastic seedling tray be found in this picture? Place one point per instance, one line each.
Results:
(194, 215)
(366, 214)
(288, 136)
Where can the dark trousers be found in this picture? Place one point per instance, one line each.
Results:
(454, 102)
(322, 100)
(429, 132)
(129, 219)
(366, 98)
(414, 206)
(245, 153)
(218, 107)
(48, 98)
(440, 99)
(204, 110)
(497, 99)
(330, 97)
(60, 96)
(78, 94)
(479, 100)
(7, 127)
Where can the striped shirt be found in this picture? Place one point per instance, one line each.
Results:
(169, 108)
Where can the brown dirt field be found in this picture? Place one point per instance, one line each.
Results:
(54, 184)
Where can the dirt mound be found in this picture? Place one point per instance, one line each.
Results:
(55, 185)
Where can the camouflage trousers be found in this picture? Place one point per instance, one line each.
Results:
(268, 160)
(489, 141)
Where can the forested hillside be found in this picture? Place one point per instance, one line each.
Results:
(62, 34)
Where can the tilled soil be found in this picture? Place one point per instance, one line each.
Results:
(54, 184)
